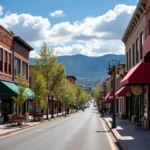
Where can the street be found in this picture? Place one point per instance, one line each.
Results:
(81, 131)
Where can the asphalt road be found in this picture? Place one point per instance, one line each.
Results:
(81, 131)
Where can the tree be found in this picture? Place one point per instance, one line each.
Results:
(39, 89)
(51, 71)
(22, 96)
(97, 93)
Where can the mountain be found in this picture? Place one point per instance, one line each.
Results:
(87, 68)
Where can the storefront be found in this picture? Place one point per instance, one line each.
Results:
(7, 104)
(126, 94)
(138, 78)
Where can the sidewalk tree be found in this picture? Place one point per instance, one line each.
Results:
(97, 93)
(39, 89)
(22, 96)
(51, 71)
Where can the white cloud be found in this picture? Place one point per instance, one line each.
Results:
(57, 13)
(93, 36)
(1, 10)
(33, 54)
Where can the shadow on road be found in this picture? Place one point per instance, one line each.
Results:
(103, 131)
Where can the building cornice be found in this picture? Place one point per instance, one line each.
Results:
(136, 17)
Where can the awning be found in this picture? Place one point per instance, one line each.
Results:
(126, 90)
(139, 74)
(109, 97)
(10, 89)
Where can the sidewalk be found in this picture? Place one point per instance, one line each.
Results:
(127, 136)
(6, 130)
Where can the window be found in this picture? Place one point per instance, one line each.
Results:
(129, 58)
(133, 53)
(149, 27)
(25, 69)
(9, 63)
(141, 44)
(1, 60)
(0, 107)
(16, 67)
(127, 61)
(137, 50)
(5, 62)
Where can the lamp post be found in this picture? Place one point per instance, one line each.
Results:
(52, 96)
(112, 71)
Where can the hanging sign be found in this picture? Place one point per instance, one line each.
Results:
(137, 89)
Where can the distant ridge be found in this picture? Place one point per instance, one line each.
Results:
(83, 66)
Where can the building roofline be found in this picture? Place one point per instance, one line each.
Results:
(22, 42)
(7, 30)
(137, 7)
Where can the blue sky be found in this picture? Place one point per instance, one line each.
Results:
(73, 28)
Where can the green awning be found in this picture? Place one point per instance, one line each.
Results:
(30, 94)
(9, 89)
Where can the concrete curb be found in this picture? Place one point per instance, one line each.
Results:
(36, 125)
(121, 144)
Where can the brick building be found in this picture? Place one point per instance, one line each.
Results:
(14, 60)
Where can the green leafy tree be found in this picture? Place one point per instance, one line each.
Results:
(51, 71)
(97, 93)
(22, 96)
(39, 89)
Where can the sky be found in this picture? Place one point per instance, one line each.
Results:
(88, 27)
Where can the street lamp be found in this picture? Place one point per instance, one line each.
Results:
(112, 71)
(52, 97)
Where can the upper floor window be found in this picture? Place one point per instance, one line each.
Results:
(133, 53)
(16, 67)
(127, 61)
(149, 27)
(129, 58)
(141, 44)
(9, 63)
(25, 69)
(1, 60)
(5, 62)
(137, 50)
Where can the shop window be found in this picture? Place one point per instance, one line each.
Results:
(0, 107)
(16, 67)
(25, 69)
(5, 62)
(1, 62)
(9, 63)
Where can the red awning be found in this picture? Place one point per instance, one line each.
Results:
(109, 97)
(139, 74)
(124, 91)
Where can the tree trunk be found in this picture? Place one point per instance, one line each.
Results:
(47, 117)
(57, 108)
(20, 110)
(34, 110)
(62, 108)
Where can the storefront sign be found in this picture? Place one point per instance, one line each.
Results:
(128, 94)
(137, 89)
